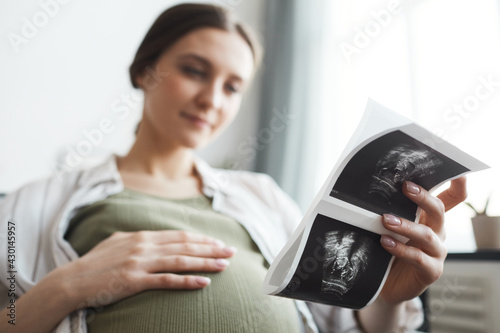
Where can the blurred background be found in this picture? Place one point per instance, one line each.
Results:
(64, 76)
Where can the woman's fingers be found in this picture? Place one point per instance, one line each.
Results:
(187, 256)
(420, 235)
(136, 261)
(167, 236)
(196, 250)
(178, 257)
(179, 263)
(187, 249)
(429, 267)
(154, 259)
(455, 194)
(419, 262)
(174, 281)
(433, 207)
(159, 272)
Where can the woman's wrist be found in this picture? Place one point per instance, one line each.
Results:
(381, 316)
(57, 294)
(59, 280)
(42, 307)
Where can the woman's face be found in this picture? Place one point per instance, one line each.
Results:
(195, 89)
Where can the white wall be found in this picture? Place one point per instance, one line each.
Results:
(70, 74)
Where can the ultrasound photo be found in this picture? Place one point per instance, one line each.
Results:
(335, 257)
(346, 256)
(341, 265)
(399, 164)
(374, 176)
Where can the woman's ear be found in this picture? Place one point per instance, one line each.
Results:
(149, 79)
(137, 128)
(139, 81)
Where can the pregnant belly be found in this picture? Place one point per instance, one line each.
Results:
(232, 302)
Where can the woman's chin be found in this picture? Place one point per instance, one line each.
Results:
(196, 143)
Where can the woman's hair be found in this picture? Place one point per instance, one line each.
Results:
(178, 21)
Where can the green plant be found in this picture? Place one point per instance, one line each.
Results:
(478, 212)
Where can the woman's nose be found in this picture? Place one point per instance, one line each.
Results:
(210, 97)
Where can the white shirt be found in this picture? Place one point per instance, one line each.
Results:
(42, 210)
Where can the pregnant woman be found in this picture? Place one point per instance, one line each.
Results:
(158, 241)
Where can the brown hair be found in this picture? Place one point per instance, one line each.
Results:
(179, 20)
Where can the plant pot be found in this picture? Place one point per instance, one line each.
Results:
(486, 231)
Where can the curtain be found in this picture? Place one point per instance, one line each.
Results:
(288, 136)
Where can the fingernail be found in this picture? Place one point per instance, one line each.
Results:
(229, 250)
(220, 243)
(222, 263)
(392, 220)
(203, 281)
(412, 188)
(387, 241)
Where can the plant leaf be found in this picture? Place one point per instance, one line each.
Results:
(487, 203)
(472, 207)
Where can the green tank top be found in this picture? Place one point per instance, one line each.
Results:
(233, 302)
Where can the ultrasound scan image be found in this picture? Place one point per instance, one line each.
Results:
(399, 164)
(341, 265)
(373, 178)
(346, 254)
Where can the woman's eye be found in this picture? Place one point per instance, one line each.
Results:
(193, 71)
(232, 88)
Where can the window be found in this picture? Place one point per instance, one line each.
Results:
(436, 62)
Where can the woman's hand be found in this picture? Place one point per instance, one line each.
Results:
(419, 262)
(122, 265)
(127, 263)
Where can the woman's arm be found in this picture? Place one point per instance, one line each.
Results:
(417, 263)
(122, 265)
(383, 317)
(42, 307)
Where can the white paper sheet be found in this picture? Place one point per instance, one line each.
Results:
(334, 256)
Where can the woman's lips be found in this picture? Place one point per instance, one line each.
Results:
(195, 120)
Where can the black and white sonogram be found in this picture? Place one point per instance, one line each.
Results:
(341, 265)
(374, 177)
(401, 163)
(346, 255)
